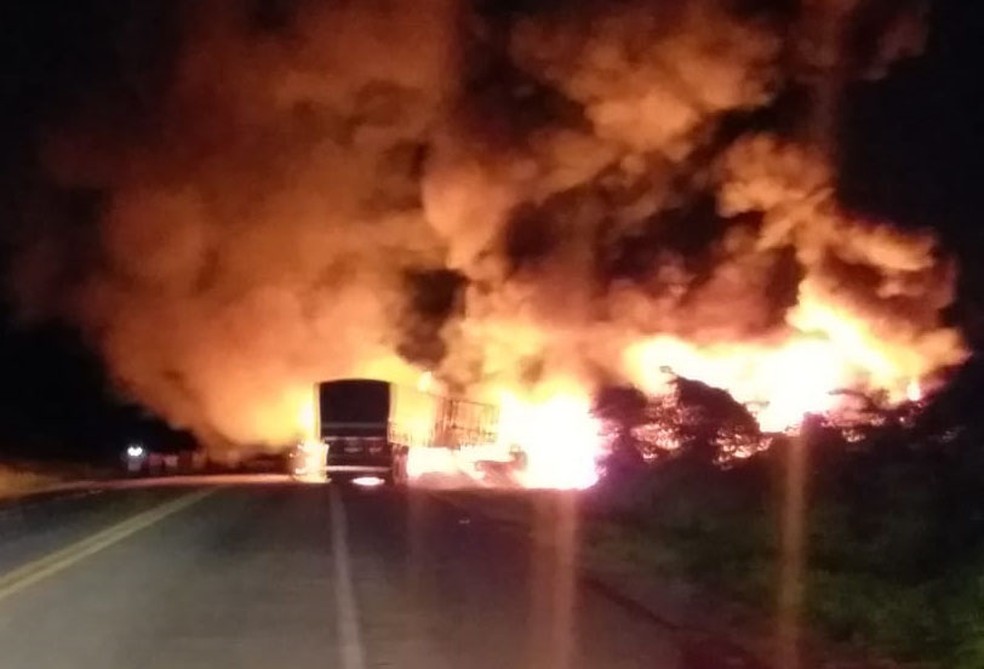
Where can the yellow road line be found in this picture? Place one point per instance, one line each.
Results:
(48, 565)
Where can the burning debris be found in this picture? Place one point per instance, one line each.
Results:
(528, 204)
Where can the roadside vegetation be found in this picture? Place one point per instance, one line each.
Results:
(894, 522)
(19, 479)
(21, 476)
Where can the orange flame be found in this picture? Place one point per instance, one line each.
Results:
(781, 381)
(559, 435)
(780, 385)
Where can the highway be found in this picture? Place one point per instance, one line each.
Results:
(298, 576)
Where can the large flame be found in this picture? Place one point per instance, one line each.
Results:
(800, 372)
(560, 437)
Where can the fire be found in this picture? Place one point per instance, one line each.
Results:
(782, 381)
(309, 458)
(344, 198)
(560, 437)
(913, 391)
(309, 454)
(307, 420)
(780, 385)
(804, 368)
(423, 460)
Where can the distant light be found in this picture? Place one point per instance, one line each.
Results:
(368, 481)
(134, 451)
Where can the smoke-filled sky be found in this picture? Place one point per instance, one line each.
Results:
(231, 200)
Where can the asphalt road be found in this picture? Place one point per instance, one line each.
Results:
(294, 576)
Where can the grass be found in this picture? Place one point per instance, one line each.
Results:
(895, 561)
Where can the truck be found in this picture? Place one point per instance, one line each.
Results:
(368, 427)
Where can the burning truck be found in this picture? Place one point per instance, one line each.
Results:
(369, 429)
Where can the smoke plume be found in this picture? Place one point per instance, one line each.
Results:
(554, 195)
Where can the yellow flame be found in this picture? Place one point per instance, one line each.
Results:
(782, 381)
(559, 435)
(913, 391)
(423, 460)
(309, 459)
(307, 419)
(780, 384)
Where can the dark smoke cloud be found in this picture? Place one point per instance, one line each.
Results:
(503, 197)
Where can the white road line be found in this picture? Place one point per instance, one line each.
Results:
(347, 614)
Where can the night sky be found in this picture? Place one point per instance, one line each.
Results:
(909, 154)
